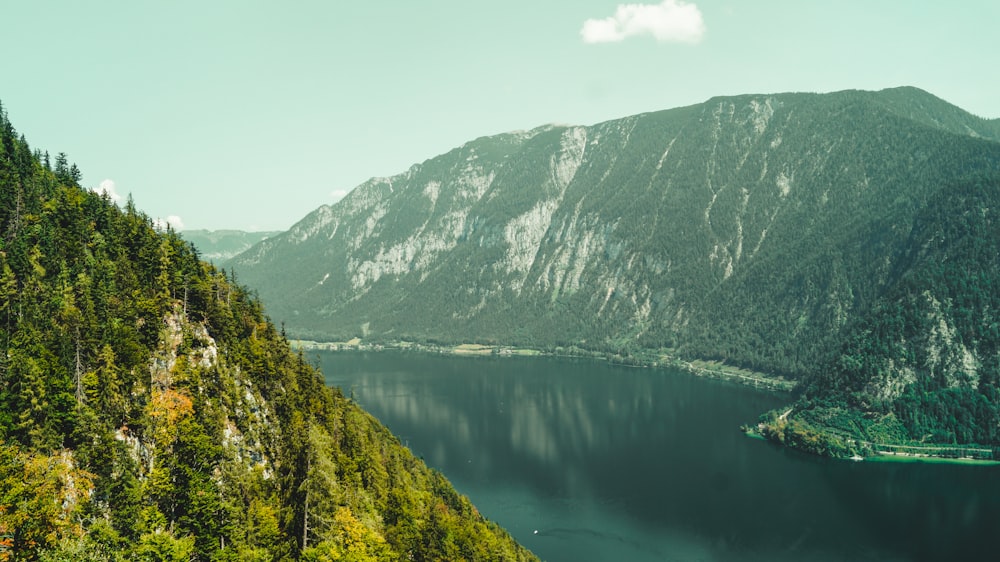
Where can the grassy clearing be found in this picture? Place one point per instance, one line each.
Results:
(472, 349)
(719, 370)
(904, 458)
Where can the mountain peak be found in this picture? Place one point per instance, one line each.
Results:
(926, 108)
(649, 228)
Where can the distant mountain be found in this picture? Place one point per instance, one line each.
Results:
(767, 231)
(220, 245)
(750, 229)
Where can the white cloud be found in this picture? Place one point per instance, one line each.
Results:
(338, 194)
(669, 21)
(108, 187)
(173, 221)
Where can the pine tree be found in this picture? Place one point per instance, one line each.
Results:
(75, 175)
(62, 167)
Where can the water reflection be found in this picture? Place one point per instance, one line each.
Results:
(618, 464)
(505, 420)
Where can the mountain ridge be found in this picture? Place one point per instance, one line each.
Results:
(486, 212)
(768, 232)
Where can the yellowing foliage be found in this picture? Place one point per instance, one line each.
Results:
(353, 542)
(166, 409)
(38, 497)
(170, 405)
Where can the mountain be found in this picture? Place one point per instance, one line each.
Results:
(919, 372)
(149, 411)
(220, 245)
(751, 229)
(845, 240)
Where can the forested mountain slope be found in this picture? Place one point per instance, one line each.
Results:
(922, 367)
(149, 411)
(753, 229)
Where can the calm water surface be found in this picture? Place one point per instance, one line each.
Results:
(583, 461)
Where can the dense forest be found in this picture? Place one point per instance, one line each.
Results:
(150, 411)
(844, 240)
(747, 229)
(923, 366)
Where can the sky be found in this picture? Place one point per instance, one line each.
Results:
(243, 114)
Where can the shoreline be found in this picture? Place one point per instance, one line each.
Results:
(881, 452)
(652, 359)
(890, 457)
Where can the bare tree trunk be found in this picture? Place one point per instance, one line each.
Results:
(79, 371)
(305, 510)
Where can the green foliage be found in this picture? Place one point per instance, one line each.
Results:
(149, 410)
(848, 240)
(100, 544)
(751, 229)
(37, 497)
(922, 366)
(804, 436)
(160, 546)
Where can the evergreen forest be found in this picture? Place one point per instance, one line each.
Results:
(150, 411)
(922, 367)
(845, 241)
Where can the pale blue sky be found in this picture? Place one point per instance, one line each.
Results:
(250, 114)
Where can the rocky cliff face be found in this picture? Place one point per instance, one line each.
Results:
(748, 228)
(148, 410)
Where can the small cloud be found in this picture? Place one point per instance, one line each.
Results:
(669, 21)
(338, 194)
(173, 221)
(107, 187)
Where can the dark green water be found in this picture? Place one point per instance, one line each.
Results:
(616, 464)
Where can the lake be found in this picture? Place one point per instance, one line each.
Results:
(585, 461)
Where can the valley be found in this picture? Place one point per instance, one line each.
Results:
(499, 282)
(218, 246)
(811, 237)
(839, 251)
(607, 462)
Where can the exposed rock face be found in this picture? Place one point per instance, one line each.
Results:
(248, 423)
(677, 228)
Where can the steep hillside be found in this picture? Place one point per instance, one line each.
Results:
(752, 229)
(922, 367)
(149, 411)
(218, 246)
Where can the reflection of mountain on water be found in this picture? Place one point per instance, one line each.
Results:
(600, 459)
(574, 426)
(566, 431)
